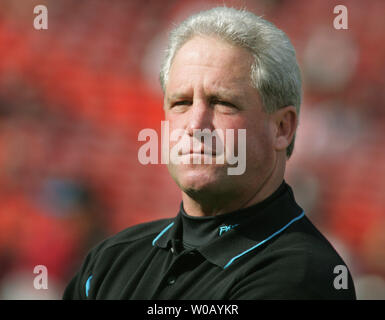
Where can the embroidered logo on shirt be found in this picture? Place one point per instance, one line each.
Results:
(224, 229)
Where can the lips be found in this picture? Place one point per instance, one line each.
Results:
(194, 147)
(198, 151)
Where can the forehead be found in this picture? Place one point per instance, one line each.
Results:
(211, 62)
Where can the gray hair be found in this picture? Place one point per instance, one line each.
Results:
(274, 73)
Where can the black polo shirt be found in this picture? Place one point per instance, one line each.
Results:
(267, 251)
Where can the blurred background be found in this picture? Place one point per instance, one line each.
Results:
(73, 99)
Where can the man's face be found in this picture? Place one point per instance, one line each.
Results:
(209, 87)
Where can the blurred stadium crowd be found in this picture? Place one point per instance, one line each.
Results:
(74, 97)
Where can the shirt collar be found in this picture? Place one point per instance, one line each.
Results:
(257, 224)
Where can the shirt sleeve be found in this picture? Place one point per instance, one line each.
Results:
(72, 291)
(79, 286)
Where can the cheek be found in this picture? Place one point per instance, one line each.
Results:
(171, 120)
(258, 138)
(175, 127)
(259, 143)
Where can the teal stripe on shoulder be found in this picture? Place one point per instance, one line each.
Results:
(88, 284)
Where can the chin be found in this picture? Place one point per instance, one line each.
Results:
(198, 178)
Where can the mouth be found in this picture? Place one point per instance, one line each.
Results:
(198, 152)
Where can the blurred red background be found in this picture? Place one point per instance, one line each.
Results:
(74, 97)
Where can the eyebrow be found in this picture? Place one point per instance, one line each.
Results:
(177, 96)
(221, 94)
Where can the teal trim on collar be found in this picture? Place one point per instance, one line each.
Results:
(263, 241)
(161, 233)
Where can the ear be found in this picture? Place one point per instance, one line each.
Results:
(285, 120)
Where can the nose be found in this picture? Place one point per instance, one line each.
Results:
(200, 117)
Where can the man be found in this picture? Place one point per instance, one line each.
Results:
(236, 236)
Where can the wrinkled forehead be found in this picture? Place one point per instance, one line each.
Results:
(215, 62)
(214, 52)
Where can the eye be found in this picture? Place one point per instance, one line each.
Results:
(179, 106)
(224, 106)
(223, 103)
(181, 103)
